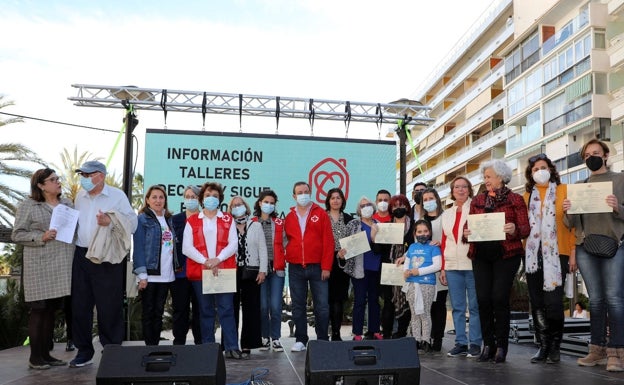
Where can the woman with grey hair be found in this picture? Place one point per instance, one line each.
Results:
(365, 272)
(495, 263)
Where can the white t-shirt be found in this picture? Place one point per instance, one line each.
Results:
(166, 254)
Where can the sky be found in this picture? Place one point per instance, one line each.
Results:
(357, 50)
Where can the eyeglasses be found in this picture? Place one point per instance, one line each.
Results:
(366, 205)
(87, 174)
(537, 157)
(53, 179)
(420, 190)
(457, 187)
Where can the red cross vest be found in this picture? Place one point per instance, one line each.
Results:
(194, 269)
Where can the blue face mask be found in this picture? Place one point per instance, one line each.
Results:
(430, 206)
(191, 204)
(267, 208)
(86, 183)
(211, 203)
(239, 211)
(303, 199)
(424, 239)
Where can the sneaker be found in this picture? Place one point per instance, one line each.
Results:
(266, 344)
(474, 351)
(377, 336)
(276, 346)
(458, 350)
(298, 347)
(357, 338)
(79, 362)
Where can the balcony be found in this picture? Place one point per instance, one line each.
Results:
(566, 32)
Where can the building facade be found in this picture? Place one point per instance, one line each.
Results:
(524, 80)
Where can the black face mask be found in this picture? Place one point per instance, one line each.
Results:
(594, 163)
(418, 197)
(399, 212)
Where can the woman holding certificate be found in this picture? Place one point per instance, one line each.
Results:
(549, 255)
(210, 244)
(365, 274)
(47, 263)
(496, 252)
(600, 256)
(457, 271)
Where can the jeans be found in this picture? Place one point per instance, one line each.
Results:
(271, 292)
(604, 279)
(224, 303)
(153, 299)
(461, 284)
(366, 290)
(494, 278)
(299, 278)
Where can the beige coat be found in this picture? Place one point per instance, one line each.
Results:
(455, 252)
(47, 265)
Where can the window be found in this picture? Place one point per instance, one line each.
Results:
(599, 40)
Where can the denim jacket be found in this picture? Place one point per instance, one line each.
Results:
(147, 244)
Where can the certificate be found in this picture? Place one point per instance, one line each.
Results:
(390, 233)
(355, 244)
(589, 197)
(225, 282)
(64, 220)
(486, 227)
(392, 274)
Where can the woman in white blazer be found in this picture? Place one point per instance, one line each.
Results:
(457, 271)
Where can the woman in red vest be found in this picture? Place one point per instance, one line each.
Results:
(210, 243)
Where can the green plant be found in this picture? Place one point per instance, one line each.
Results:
(13, 316)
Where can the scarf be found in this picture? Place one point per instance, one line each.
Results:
(544, 233)
(500, 195)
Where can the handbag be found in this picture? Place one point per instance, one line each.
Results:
(250, 273)
(601, 246)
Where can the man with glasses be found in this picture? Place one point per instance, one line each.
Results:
(98, 284)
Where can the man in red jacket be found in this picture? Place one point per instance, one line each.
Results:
(310, 254)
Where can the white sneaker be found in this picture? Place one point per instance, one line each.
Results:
(298, 347)
(277, 347)
(266, 344)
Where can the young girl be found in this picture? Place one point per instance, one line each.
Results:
(421, 263)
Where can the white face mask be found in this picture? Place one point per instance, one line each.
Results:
(541, 176)
(367, 211)
(382, 206)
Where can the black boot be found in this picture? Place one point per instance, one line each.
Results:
(336, 314)
(556, 336)
(543, 335)
(425, 346)
(487, 354)
(501, 355)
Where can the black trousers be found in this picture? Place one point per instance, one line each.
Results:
(153, 299)
(550, 301)
(438, 316)
(99, 285)
(494, 278)
(183, 302)
(247, 298)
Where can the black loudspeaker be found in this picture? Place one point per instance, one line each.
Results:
(372, 362)
(171, 364)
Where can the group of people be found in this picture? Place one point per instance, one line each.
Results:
(173, 253)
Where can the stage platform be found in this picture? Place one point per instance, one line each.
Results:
(288, 368)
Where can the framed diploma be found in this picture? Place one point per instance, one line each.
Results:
(392, 274)
(486, 227)
(390, 233)
(355, 244)
(589, 197)
(225, 282)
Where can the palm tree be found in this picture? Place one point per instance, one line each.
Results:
(12, 156)
(70, 162)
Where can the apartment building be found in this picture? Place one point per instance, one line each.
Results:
(530, 77)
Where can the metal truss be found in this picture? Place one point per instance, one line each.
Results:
(400, 112)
